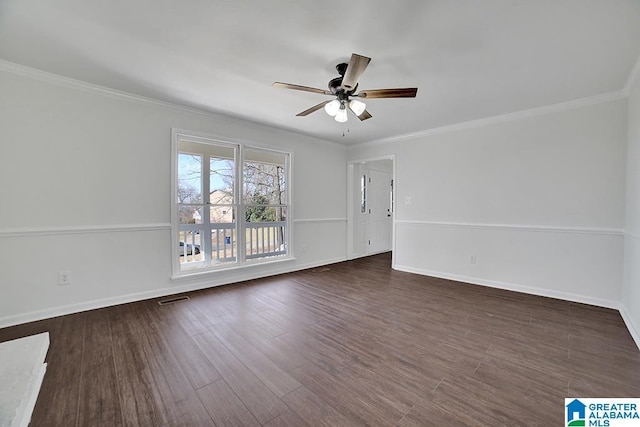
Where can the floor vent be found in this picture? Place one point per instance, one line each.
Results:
(173, 300)
(320, 270)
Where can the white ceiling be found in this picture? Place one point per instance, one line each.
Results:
(470, 59)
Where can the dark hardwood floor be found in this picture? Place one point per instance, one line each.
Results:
(353, 343)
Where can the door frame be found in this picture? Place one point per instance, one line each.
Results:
(351, 200)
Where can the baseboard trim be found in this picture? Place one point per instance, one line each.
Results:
(583, 299)
(140, 296)
(357, 256)
(634, 330)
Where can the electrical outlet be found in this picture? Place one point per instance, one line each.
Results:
(473, 259)
(64, 278)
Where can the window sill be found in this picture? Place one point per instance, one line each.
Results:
(188, 275)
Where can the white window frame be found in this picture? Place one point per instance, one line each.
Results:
(241, 146)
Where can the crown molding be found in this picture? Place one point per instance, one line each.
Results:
(518, 115)
(47, 77)
(633, 78)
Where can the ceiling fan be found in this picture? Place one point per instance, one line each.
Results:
(344, 89)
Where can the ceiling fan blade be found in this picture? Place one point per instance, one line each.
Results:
(313, 109)
(364, 116)
(406, 92)
(357, 65)
(302, 88)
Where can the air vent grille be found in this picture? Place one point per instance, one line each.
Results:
(173, 300)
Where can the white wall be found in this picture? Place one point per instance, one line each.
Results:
(631, 287)
(539, 201)
(85, 187)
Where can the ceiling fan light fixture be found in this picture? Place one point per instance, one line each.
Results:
(357, 107)
(344, 88)
(332, 107)
(341, 115)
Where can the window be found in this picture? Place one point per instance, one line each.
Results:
(265, 202)
(363, 193)
(231, 204)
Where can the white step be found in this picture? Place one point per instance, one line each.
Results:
(22, 369)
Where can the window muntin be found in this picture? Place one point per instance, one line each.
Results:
(245, 183)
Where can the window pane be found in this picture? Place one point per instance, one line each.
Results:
(189, 178)
(222, 213)
(264, 178)
(189, 248)
(190, 214)
(221, 180)
(224, 242)
(265, 231)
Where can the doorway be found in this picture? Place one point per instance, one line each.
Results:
(370, 207)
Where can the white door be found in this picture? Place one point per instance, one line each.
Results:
(379, 212)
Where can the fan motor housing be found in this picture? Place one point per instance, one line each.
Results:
(335, 85)
(342, 68)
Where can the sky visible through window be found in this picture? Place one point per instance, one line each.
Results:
(190, 172)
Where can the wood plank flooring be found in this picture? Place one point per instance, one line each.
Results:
(354, 343)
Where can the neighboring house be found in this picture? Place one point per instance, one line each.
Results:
(221, 206)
